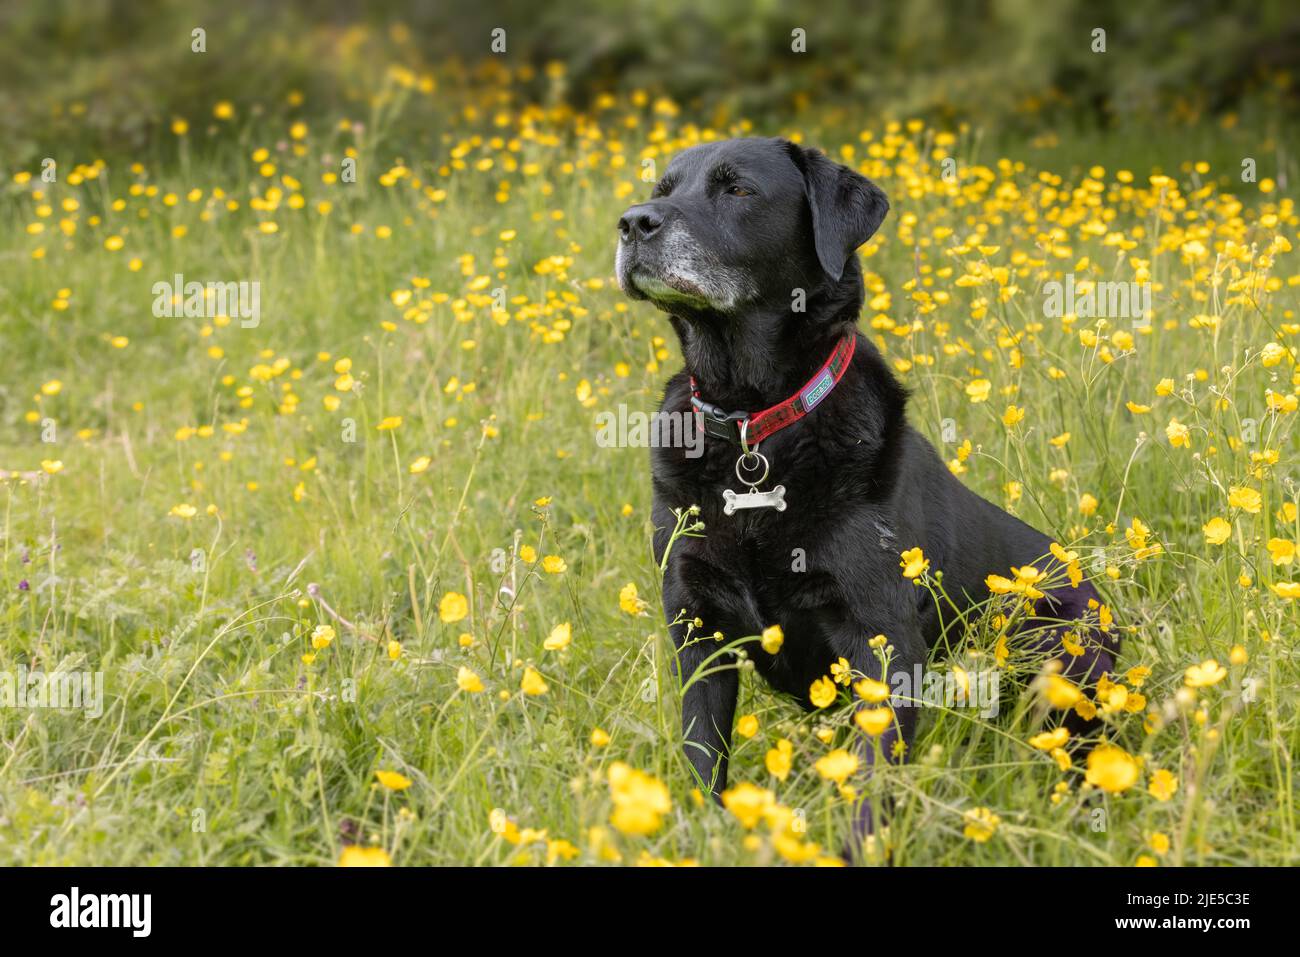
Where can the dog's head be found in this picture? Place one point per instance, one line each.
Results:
(743, 222)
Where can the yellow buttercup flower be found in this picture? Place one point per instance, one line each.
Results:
(1208, 672)
(874, 721)
(467, 681)
(557, 850)
(872, 691)
(772, 639)
(532, 683)
(1281, 551)
(747, 726)
(1026, 578)
(837, 765)
(1217, 531)
(980, 824)
(640, 800)
(914, 563)
(1062, 555)
(1001, 651)
(453, 607)
(1246, 499)
(779, 759)
(393, 781)
(822, 692)
(1137, 675)
(629, 602)
(1111, 768)
(748, 803)
(559, 637)
(356, 856)
(1163, 785)
(1050, 740)
(841, 671)
(1061, 693)
(321, 637)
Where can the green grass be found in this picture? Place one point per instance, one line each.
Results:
(218, 744)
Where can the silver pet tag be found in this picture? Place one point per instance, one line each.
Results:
(753, 498)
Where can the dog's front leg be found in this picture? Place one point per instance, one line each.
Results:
(710, 683)
(696, 592)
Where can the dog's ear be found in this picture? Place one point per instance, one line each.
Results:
(847, 208)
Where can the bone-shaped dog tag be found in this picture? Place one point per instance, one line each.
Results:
(752, 499)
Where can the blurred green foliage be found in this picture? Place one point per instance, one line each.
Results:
(113, 70)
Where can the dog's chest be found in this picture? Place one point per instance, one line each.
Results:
(788, 564)
(773, 522)
(808, 568)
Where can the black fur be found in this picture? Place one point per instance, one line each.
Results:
(862, 485)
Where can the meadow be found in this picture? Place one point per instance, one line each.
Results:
(363, 587)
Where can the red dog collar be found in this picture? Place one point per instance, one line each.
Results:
(748, 430)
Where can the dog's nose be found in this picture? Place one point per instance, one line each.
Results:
(639, 222)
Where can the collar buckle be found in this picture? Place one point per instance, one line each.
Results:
(718, 422)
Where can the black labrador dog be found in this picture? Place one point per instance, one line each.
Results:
(749, 246)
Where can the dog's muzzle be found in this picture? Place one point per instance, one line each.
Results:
(659, 259)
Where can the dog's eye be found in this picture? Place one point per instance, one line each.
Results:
(738, 191)
(662, 188)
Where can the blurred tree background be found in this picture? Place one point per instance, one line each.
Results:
(112, 71)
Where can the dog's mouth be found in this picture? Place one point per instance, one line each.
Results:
(665, 287)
